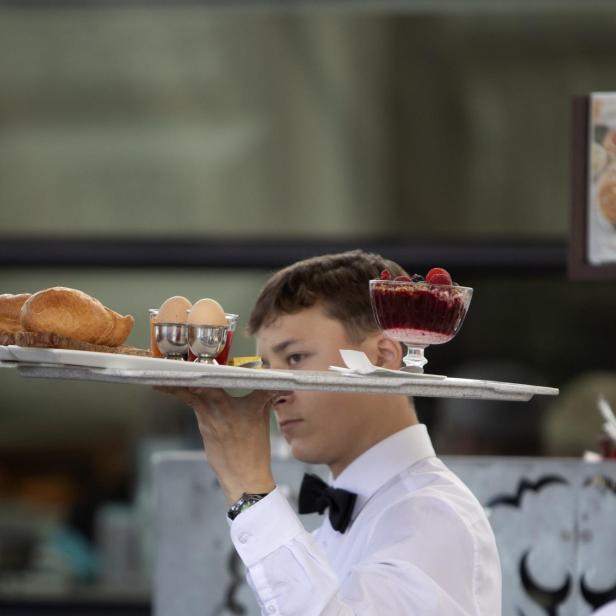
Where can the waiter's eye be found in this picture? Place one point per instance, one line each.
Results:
(295, 358)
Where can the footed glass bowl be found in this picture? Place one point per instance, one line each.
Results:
(419, 314)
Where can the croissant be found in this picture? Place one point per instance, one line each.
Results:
(75, 314)
(10, 309)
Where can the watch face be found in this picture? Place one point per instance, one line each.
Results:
(244, 502)
(246, 505)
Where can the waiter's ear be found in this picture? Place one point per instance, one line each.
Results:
(387, 352)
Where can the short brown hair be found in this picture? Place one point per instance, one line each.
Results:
(338, 281)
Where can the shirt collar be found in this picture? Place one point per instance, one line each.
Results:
(388, 458)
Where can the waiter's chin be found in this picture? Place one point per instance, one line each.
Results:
(302, 451)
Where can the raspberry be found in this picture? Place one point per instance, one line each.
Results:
(402, 279)
(385, 275)
(437, 275)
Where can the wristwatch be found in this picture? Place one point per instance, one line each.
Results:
(244, 502)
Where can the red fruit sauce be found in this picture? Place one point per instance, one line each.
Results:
(419, 314)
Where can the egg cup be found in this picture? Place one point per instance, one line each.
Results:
(207, 341)
(172, 340)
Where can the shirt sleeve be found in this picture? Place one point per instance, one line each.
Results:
(290, 574)
(286, 566)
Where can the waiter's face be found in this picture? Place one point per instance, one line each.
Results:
(321, 427)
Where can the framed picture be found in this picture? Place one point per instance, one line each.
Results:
(592, 253)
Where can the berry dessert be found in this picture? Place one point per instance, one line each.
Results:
(419, 312)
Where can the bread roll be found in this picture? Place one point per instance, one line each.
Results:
(75, 314)
(10, 309)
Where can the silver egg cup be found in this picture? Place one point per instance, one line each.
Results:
(172, 340)
(207, 341)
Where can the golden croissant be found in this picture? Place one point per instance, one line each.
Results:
(10, 311)
(74, 314)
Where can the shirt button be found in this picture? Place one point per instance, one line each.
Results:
(244, 537)
(271, 609)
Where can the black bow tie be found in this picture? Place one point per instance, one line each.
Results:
(316, 495)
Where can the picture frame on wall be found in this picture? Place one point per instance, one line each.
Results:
(592, 247)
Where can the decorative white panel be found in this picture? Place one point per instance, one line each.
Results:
(554, 522)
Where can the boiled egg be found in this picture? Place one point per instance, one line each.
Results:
(174, 310)
(207, 312)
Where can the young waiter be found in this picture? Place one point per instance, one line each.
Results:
(402, 535)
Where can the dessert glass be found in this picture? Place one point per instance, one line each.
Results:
(418, 314)
(154, 350)
(223, 357)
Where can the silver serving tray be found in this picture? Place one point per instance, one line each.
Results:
(245, 379)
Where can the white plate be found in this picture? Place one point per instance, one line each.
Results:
(116, 361)
(5, 354)
(358, 363)
(386, 372)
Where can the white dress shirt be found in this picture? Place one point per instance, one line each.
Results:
(609, 609)
(419, 543)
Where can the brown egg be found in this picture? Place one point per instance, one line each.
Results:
(173, 310)
(207, 312)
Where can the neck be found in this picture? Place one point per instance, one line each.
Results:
(394, 414)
